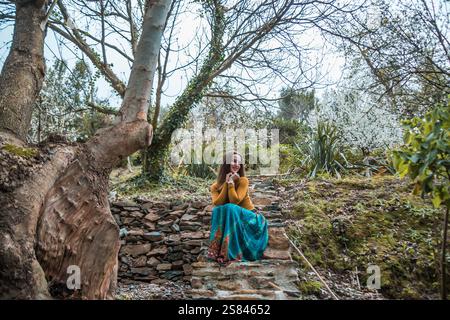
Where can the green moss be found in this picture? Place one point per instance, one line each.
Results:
(410, 293)
(310, 287)
(19, 151)
(354, 222)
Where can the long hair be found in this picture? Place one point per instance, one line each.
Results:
(226, 167)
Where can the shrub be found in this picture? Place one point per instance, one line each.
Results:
(426, 159)
(323, 151)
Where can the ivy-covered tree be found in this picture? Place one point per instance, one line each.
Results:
(426, 159)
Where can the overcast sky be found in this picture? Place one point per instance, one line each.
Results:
(329, 63)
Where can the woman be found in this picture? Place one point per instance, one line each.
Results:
(238, 231)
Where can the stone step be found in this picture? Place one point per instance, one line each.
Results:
(287, 282)
(239, 295)
(237, 265)
(253, 277)
(271, 215)
(273, 277)
(276, 223)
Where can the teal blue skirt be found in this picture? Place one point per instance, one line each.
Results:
(237, 234)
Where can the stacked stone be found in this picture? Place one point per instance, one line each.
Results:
(161, 240)
(168, 241)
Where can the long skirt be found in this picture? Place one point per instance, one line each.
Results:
(237, 234)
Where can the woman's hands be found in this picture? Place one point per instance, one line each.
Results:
(227, 177)
(232, 177)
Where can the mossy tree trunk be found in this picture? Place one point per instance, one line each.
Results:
(60, 217)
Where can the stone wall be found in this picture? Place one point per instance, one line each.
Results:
(164, 241)
(160, 240)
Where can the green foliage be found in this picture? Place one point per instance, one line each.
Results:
(290, 130)
(310, 287)
(323, 151)
(377, 162)
(290, 158)
(185, 187)
(199, 170)
(296, 104)
(89, 123)
(426, 154)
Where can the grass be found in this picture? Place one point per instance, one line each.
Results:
(353, 222)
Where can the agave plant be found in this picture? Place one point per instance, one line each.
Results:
(323, 151)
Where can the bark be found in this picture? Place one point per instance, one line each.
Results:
(137, 97)
(444, 257)
(76, 226)
(21, 276)
(60, 216)
(23, 71)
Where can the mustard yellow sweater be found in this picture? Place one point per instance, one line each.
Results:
(228, 193)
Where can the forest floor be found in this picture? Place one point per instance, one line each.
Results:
(342, 226)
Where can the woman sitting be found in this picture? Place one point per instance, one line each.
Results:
(238, 231)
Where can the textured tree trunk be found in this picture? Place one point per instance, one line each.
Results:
(59, 217)
(21, 276)
(75, 227)
(24, 68)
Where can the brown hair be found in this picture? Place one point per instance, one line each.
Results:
(226, 167)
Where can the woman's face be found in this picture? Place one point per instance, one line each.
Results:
(235, 163)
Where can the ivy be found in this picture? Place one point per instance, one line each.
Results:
(179, 111)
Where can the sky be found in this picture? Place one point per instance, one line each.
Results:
(330, 64)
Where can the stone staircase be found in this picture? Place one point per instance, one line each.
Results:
(273, 277)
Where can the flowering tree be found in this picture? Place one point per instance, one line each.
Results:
(365, 121)
(68, 104)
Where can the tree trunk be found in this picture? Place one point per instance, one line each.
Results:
(21, 276)
(76, 226)
(59, 216)
(23, 71)
(444, 257)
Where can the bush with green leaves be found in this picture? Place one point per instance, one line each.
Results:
(290, 158)
(323, 151)
(290, 130)
(425, 157)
